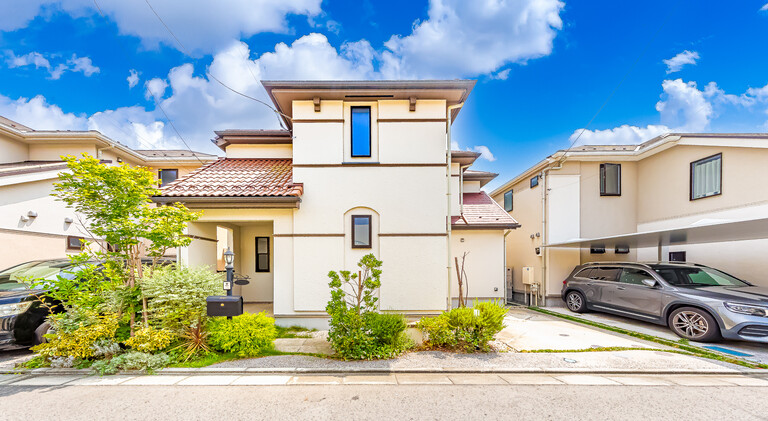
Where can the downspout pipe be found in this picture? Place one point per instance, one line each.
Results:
(544, 231)
(448, 156)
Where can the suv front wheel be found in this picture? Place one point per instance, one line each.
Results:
(694, 324)
(575, 302)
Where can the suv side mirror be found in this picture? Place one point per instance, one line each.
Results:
(650, 283)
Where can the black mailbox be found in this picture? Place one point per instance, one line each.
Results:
(225, 305)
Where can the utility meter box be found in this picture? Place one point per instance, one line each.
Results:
(528, 278)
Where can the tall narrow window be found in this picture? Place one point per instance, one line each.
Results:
(167, 176)
(361, 131)
(262, 254)
(707, 177)
(361, 231)
(610, 179)
(508, 201)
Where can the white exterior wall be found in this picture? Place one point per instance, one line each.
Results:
(13, 151)
(484, 263)
(261, 151)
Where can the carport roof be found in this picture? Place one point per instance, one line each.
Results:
(703, 231)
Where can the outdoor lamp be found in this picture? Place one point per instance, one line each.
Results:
(229, 258)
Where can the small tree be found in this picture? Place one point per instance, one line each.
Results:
(117, 206)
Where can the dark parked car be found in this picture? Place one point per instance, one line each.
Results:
(22, 314)
(697, 302)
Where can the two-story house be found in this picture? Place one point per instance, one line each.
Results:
(680, 197)
(363, 167)
(33, 225)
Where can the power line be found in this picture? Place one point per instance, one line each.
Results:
(159, 105)
(642, 53)
(247, 59)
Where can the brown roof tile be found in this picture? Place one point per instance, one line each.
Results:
(480, 211)
(237, 177)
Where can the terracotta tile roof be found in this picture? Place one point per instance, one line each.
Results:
(237, 177)
(480, 211)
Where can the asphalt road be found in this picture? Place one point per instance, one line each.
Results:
(383, 402)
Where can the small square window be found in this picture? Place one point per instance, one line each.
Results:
(361, 131)
(262, 254)
(508, 201)
(534, 181)
(610, 179)
(597, 250)
(622, 250)
(74, 243)
(361, 231)
(167, 176)
(677, 256)
(707, 177)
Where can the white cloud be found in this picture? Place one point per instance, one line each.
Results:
(463, 38)
(764, 8)
(156, 88)
(74, 64)
(82, 64)
(502, 75)
(683, 108)
(484, 152)
(133, 78)
(676, 63)
(223, 20)
(622, 135)
(38, 114)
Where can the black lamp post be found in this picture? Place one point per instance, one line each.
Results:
(229, 259)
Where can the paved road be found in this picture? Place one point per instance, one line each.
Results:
(362, 402)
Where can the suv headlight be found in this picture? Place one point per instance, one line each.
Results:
(749, 309)
(14, 309)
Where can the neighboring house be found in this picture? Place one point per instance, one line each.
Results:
(363, 167)
(33, 225)
(690, 197)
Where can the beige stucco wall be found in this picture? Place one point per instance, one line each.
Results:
(608, 215)
(484, 262)
(261, 286)
(261, 151)
(13, 150)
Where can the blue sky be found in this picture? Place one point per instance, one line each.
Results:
(544, 67)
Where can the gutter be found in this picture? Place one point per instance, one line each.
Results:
(448, 112)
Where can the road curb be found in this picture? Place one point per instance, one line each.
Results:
(361, 371)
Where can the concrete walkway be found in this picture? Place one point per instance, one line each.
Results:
(387, 379)
(314, 343)
(755, 352)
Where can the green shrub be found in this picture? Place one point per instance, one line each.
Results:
(247, 335)
(464, 328)
(177, 295)
(132, 360)
(76, 333)
(147, 339)
(357, 331)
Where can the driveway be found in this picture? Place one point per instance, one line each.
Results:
(9, 359)
(753, 351)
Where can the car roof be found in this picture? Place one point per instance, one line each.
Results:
(651, 264)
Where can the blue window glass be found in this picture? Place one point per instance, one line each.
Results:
(361, 131)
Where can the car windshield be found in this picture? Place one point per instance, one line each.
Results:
(11, 279)
(697, 276)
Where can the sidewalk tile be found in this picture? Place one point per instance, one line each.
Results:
(699, 380)
(371, 379)
(157, 380)
(426, 378)
(316, 380)
(46, 381)
(745, 380)
(585, 380)
(640, 380)
(101, 381)
(476, 379)
(256, 380)
(532, 379)
(210, 380)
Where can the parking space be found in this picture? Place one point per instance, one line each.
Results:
(747, 350)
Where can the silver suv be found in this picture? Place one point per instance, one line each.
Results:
(697, 302)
